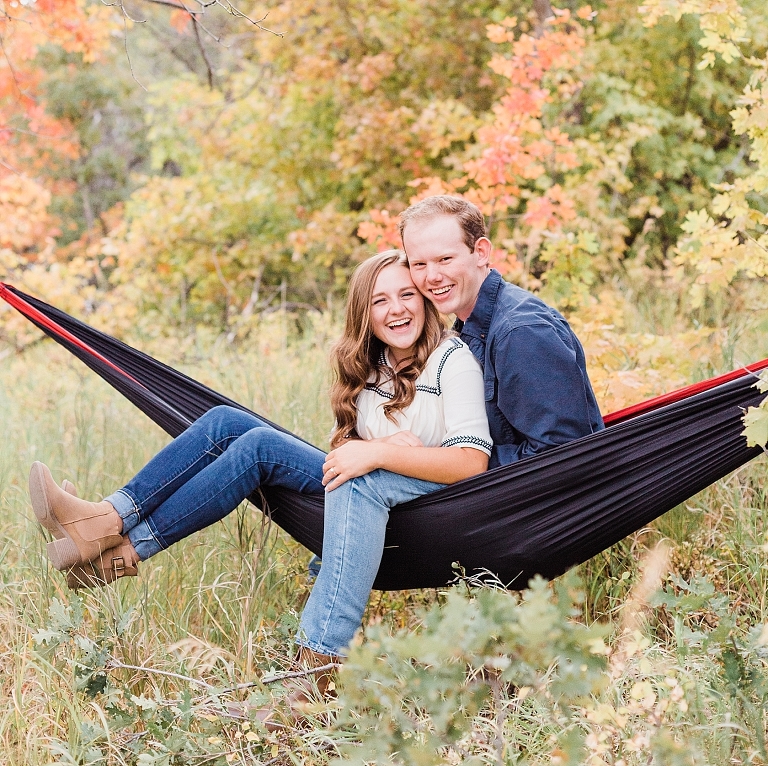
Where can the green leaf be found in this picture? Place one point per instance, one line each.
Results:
(46, 636)
(124, 621)
(65, 617)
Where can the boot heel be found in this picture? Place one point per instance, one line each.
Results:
(63, 553)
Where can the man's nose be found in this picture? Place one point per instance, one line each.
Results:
(433, 273)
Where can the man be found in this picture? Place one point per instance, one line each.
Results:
(537, 391)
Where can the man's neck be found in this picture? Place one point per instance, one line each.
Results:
(465, 314)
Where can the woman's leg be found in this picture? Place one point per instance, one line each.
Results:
(356, 515)
(205, 440)
(203, 488)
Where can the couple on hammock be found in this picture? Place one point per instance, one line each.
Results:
(416, 408)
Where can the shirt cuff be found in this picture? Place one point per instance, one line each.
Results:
(469, 441)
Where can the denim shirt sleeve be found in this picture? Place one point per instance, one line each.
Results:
(539, 389)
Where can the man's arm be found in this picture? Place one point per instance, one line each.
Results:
(541, 390)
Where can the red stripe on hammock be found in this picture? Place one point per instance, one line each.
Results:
(611, 419)
(681, 393)
(32, 313)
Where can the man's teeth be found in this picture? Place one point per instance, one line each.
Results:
(441, 290)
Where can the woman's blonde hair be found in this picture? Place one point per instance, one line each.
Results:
(357, 356)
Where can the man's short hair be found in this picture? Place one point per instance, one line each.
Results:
(468, 216)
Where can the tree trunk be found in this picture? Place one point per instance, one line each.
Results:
(543, 11)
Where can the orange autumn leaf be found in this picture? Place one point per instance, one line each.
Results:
(180, 20)
(381, 230)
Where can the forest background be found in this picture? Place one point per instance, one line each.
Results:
(200, 179)
(169, 173)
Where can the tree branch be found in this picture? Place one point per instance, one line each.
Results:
(294, 674)
(172, 4)
(237, 13)
(10, 66)
(113, 663)
(203, 52)
(225, 6)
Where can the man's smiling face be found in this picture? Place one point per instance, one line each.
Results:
(442, 265)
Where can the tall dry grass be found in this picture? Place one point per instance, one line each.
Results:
(222, 603)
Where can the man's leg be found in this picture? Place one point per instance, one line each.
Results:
(261, 455)
(356, 515)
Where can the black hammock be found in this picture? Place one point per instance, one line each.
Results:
(539, 516)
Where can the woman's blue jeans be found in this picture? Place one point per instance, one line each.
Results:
(355, 522)
(207, 471)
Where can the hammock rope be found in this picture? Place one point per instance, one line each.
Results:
(542, 515)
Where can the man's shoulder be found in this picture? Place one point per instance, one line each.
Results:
(517, 308)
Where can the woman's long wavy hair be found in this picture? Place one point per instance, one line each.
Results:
(356, 356)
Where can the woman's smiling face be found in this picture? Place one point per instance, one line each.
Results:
(397, 311)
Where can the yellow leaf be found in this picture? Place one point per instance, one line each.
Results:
(756, 426)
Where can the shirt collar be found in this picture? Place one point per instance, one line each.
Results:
(479, 321)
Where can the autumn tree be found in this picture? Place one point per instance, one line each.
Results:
(724, 252)
(278, 162)
(33, 139)
(257, 170)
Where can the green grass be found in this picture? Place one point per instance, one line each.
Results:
(227, 595)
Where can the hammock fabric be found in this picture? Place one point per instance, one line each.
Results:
(542, 515)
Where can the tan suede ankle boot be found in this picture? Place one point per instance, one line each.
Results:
(316, 683)
(310, 685)
(120, 561)
(83, 530)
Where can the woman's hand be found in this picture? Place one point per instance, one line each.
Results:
(356, 458)
(360, 456)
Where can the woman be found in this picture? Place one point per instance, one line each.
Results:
(410, 418)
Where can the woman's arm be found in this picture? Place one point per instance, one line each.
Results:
(466, 441)
(444, 465)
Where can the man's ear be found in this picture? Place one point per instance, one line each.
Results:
(483, 249)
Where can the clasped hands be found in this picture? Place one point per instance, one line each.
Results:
(360, 456)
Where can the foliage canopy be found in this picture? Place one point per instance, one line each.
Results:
(160, 183)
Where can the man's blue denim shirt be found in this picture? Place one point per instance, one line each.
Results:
(537, 393)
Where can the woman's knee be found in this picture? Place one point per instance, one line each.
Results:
(265, 443)
(365, 488)
(224, 420)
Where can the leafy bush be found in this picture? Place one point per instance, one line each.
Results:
(489, 677)
(493, 677)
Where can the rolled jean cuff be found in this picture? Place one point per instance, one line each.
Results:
(320, 649)
(127, 509)
(144, 541)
